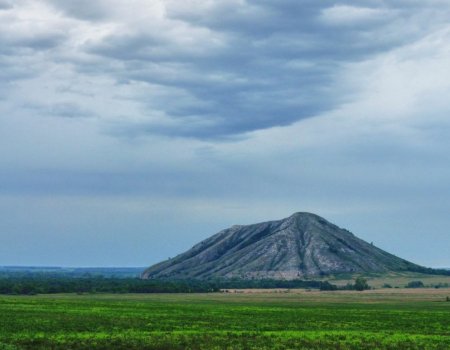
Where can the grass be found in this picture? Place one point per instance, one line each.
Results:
(399, 279)
(381, 319)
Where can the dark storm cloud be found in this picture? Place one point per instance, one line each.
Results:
(254, 65)
(222, 68)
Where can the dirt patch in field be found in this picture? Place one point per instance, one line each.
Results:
(369, 296)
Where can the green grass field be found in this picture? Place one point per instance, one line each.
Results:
(379, 319)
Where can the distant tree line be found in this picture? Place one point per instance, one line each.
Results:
(429, 270)
(61, 284)
(51, 283)
(360, 284)
(30, 285)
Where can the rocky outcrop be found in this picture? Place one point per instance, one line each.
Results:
(302, 245)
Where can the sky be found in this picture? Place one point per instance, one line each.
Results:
(131, 130)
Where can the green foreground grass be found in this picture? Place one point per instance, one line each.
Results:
(397, 319)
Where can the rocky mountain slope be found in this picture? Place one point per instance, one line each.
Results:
(302, 245)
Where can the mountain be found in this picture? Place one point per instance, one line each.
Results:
(302, 245)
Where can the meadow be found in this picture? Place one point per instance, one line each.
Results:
(276, 319)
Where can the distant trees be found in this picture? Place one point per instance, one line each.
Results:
(38, 283)
(328, 286)
(63, 284)
(361, 284)
(428, 270)
(415, 284)
(30, 284)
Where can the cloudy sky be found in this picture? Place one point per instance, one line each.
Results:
(130, 130)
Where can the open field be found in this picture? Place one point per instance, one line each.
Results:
(399, 279)
(298, 319)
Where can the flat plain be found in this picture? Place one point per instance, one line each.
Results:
(238, 319)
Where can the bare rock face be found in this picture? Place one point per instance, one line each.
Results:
(302, 245)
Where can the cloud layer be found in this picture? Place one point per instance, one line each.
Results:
(172, 120)
(202, 69)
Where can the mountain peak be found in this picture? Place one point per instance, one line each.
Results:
(307, 217)
(304, 214)
(301, 245)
